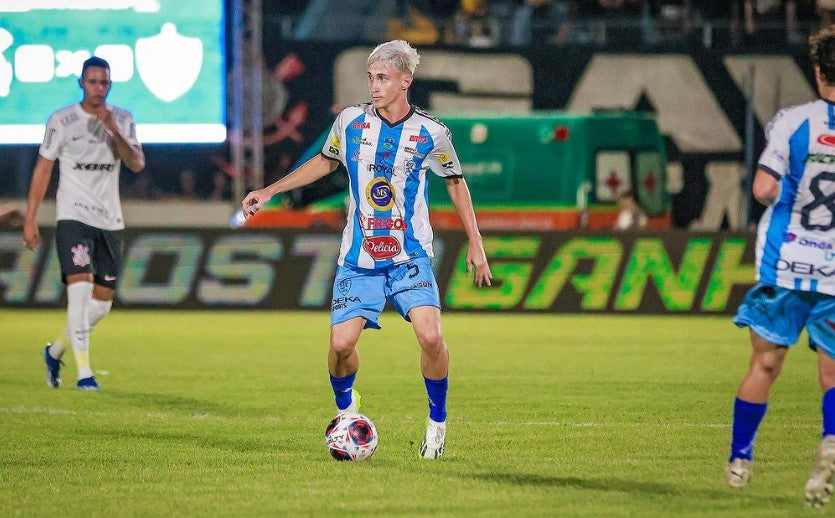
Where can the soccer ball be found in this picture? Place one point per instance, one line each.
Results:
(351, 437)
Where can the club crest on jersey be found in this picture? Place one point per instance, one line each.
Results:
(381, 247)
(380, 194)
(344, 286)
(80, 255)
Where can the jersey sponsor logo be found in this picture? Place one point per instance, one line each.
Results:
(334, 146)
(381, 247)
(445, 160)
(50, 134)
(827, 140)
(805, 268)
(380, 168)
(81, 166)
(811, 243)
(422, 284)
(380, 194)
(821, 158)
(342, 302)
(372, 223)
(418, 138)
(412, 151)
(361, 141)
(361, 125)
(80, 255)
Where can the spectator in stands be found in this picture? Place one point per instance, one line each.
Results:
(771, 8)
(825, 9)
(630, 217)
(473, 26)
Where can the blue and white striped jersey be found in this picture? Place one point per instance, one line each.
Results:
(795, 236)
(388, 210)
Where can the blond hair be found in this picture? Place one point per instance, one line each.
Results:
(397, 54)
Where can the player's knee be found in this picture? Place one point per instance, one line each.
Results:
(431, 340)
(768, 365)
(342, 346)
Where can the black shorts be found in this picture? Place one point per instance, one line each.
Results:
(85, 249)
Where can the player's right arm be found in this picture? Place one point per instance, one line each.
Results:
(317, 167)
(307, 173)
(40, 181)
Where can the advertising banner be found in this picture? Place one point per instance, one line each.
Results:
(167, 64)
(563, 272)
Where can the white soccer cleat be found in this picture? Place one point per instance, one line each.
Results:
(819, 486)
(432, 446)
(354, 407)
(738, 473)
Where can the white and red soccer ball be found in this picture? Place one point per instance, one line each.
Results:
(351, 437)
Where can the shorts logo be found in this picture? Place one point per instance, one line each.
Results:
(788, 237)
(381, 247)
(380, 194)
(109, 278)
(80, 255)
(343, 286)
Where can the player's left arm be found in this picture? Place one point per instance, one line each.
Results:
(459, 194)
(125, 145)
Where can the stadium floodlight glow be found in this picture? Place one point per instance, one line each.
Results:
(167, 64)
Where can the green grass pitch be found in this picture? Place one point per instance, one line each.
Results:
(223, 414)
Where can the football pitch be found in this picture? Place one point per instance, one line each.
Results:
(223, 413)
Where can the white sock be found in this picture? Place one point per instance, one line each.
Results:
(79, 295)
(96, 310)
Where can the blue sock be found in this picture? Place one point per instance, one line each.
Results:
(747, 418)
(829, 412)
(436, 390)
(342, 390)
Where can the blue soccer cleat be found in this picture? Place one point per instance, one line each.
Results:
(53, 368)
(87, 384)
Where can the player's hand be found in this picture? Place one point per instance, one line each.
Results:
(31, 235)
(254, 201)
(477, 261)
(105, 116)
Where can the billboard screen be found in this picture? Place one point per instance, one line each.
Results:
(167, 64)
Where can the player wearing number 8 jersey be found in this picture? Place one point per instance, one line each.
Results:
(389, 147)
(795, 259)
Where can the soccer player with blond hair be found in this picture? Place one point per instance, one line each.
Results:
(388, 147)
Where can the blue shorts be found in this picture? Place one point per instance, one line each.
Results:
(360, 292)
(779, 314)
